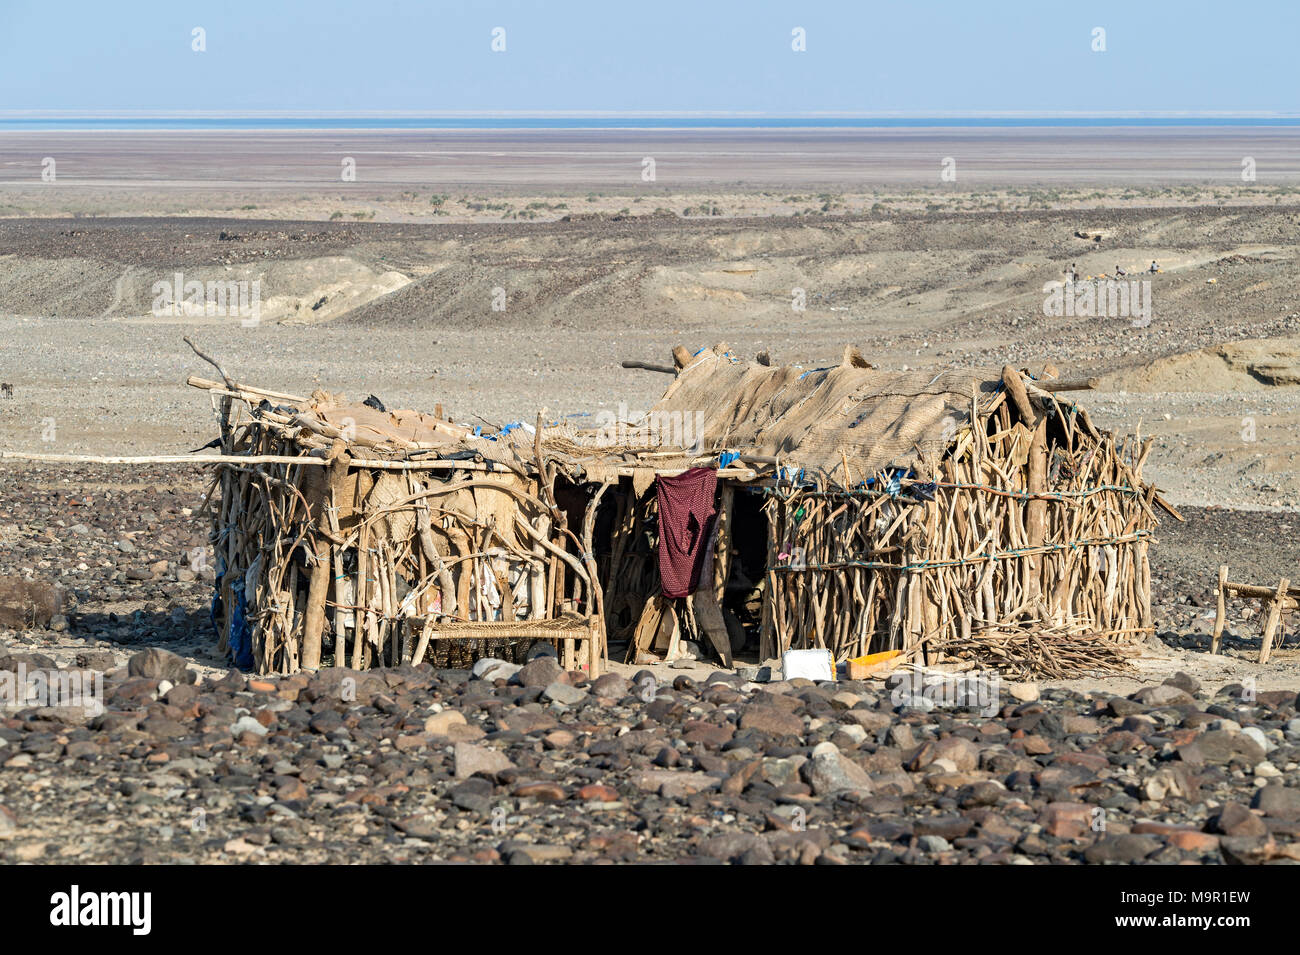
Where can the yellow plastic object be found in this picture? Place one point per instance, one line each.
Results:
(873, 664)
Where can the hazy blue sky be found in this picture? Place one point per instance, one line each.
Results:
(933, 56)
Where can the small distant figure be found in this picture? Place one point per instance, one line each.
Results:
(1119, 273)
(1072, 273)
(6, 389)
(1154, 268)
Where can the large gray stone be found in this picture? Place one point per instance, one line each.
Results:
(26, 604)
(470, 759)
(1276, 800)
(829, 772)
(540, 672)
(157, 664)
(558, 692)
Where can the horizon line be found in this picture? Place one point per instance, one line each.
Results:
(53, 114)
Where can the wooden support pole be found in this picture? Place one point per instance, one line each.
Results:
(1221, 612)
(1019, 398)
(596, 609)
(1274, 617)
(649, 366)
(322, 485)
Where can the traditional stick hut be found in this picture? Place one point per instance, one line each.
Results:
(351, 534)
(957, 514)
(962, 514)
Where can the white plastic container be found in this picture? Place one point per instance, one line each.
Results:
(809, 664)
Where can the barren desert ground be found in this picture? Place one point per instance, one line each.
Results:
(502, 273)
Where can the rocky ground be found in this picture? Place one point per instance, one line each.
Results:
(532, 764)
(192, 763)
(1185, 756)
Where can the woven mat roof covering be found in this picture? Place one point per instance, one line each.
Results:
(400, 426)
(403, 431)
(812, 418)
(807, 417)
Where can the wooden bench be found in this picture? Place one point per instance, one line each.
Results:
(578, 640)
(1281, 599)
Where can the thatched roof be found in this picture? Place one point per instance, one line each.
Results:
(816, 417)
(718, 408)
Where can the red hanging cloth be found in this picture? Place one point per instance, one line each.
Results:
(686, 516)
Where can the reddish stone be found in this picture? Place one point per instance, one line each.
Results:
(1160, 828)
(1066, 820)
(1122, 741)
(543, 792)
(410, 742)
(290, 788)
(597, 792)
(711, 735)
(1193, 841)
(558, 739)
(771, 720)
(261, 686)
(1277, 698)
(1080, 724)
(1091, 761)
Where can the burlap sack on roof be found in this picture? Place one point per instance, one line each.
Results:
(878, 419)
(361, 422)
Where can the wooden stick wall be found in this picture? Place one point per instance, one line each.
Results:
(1017, 530)
(368, 567)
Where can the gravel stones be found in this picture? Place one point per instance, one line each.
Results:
(422, 764)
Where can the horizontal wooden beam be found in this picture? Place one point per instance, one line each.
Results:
(1069, 384)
